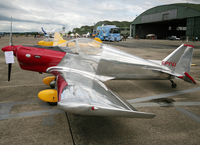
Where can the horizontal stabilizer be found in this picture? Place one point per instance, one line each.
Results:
(186, 77)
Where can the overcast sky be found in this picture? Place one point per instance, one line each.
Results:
(31, 15)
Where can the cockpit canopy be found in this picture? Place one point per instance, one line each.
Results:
(84, 46)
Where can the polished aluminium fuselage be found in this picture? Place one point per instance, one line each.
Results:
(107, 63)
(85, 67)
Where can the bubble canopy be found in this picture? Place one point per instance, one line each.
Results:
(83, 45)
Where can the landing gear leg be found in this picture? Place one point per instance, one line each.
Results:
(52, 84)
(173, 84)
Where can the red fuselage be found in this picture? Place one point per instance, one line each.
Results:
(36, 58)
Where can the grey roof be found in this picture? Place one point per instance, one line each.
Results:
(174, 11)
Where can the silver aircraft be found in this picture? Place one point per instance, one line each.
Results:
(81, 74)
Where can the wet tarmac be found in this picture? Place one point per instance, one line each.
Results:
(24, 119)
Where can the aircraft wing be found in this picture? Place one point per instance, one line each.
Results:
(84, 94)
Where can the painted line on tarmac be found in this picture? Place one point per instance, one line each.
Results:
(163, 95)
(5, 107)
(189, 114)
(165, 104)
(24, 85)
(31, 114)
(17, 102)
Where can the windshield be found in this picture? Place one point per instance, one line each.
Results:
(84, 45)
(114, 30)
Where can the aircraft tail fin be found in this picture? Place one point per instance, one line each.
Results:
(179, 62)
(45, 33)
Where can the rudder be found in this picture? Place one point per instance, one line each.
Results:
(179, 62)
(180, 59)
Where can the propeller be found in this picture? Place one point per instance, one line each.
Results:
(9, 70)
(10, 43)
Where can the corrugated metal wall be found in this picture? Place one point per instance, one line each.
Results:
(193, 28)
(162, 16)
(174, 15)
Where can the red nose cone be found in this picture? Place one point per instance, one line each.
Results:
(9, 48)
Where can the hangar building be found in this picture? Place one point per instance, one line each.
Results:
(181, 20)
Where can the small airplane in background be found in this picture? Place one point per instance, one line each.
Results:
(81, 68)
(50, 40)
(55, 41)
(46, 34)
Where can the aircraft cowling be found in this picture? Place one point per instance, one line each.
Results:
(38, 59)
(10, 48)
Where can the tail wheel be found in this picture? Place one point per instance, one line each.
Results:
(173, 84)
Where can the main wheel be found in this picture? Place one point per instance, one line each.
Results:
(52, 103)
